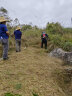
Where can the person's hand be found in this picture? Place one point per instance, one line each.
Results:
(7, 33)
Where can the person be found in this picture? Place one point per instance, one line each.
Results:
(18, 35)
(4, 36)
(44, 38)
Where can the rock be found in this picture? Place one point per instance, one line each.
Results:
(68, 57)
(59, 53)
(68, 70)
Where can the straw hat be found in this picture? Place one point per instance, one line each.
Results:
(18, 28)
(2, 19)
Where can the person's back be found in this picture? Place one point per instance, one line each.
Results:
(17, 34)
(3, 30)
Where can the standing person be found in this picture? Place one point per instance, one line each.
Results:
(44, 38)
(4, 35)
(18, 35)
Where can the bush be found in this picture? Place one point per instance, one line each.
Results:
(67, 46)
(54, 28)
(25, 27)
(56, 40)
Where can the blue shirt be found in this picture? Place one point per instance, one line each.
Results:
(17, 34)
(3, 30)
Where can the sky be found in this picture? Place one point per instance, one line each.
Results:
(40, 12)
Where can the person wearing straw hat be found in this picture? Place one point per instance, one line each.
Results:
(4, 35)
(18, 35)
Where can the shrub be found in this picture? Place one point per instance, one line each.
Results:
(67, 46)
(25, 27)
(56, 39)
(54, 28)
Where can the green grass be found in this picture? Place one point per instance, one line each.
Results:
(18, 86)
(35, 94)
(10, 94)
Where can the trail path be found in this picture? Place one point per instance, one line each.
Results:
(28, 71)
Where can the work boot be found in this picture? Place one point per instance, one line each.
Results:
(6, 58)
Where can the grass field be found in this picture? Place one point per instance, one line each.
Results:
(30, 71)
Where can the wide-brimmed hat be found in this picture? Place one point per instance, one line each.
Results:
(2, 19)
(18, 28)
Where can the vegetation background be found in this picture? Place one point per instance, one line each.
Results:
(58, 35)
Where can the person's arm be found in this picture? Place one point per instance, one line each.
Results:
(41, 36)
(7, 33)
(6, 30)
(46, 36)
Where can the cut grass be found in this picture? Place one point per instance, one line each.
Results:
(29, 70)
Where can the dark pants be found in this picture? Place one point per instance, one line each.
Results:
(18, 45)
(5, 47)
(44, 42)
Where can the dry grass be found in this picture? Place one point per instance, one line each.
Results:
(68, 36)
(29, 71)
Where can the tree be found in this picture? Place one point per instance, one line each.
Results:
(4, 12)
(25, 27)
(54, 28)
(16, 22)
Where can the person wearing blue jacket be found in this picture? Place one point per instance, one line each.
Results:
(4, 36)
(18, 35)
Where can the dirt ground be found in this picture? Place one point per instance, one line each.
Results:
(29, 71)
